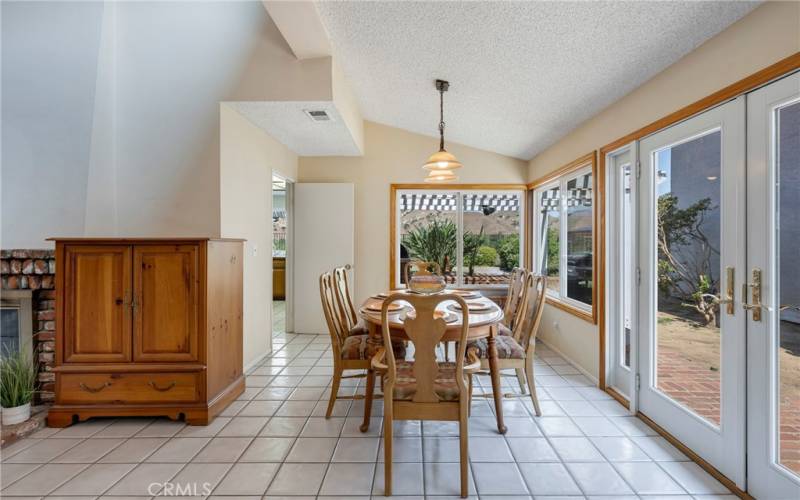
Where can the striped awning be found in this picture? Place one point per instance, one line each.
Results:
(579, 193)
(446, 202)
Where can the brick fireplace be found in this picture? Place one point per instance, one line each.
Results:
(34, 270)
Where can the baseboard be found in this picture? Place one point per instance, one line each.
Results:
(571, 362)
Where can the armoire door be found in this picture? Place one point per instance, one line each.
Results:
(166, 303)
(97, 304)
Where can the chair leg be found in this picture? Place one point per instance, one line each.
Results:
(463, 441)
(521, 379)
(469, 396)
(532, 384)
(370, 389)
(446, 351)
(337, 378)
(388, 429)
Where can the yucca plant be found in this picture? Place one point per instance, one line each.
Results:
(17, 379)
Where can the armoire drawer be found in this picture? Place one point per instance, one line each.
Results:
(142, 388)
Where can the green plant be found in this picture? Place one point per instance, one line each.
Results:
(552, 250)
(508, 251)
(17, 379)
(486, 256)
(685, 253)
(472, 242)
(435, 241)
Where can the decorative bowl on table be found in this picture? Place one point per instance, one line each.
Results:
(427, 284)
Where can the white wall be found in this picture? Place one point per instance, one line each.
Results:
(248, 157)
(111, 119)
(768, 34)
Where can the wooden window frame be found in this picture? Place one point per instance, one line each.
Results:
(394, 281)
(589, 160)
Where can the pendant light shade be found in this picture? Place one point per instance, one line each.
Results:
(439, 176)
(441, 163)
(442, 160)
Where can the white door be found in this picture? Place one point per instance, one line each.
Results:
(324, 228)
(691, 255)
(773, 256)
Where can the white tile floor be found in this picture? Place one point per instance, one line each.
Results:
(274, 442)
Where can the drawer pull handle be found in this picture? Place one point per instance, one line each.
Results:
(94, 390)
(161, 389)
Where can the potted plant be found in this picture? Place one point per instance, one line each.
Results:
(17, 386)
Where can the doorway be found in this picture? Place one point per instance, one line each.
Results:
(282, 256)
(704, 300)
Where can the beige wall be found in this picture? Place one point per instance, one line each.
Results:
(767, 35)
(395, 156)
(248, 157)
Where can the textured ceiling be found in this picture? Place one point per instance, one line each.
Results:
(287, 122)
(523, 74)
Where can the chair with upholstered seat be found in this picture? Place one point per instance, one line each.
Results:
(516, 350)
(423, 388)
(515, 286)
(350, 351)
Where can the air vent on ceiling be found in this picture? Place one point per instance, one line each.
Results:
(318, 115)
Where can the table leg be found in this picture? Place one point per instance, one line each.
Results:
(496, 388)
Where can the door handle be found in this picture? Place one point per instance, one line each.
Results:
(755, 297)
(730, 298)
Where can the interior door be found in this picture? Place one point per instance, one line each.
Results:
(324, 227)
(97, 300)
(773, 345)
(166, 307)
(691, 244)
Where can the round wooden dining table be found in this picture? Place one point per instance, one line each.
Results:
(481, 325)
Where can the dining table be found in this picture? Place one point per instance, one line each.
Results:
(482, 324)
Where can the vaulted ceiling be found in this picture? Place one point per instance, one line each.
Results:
(523, 74)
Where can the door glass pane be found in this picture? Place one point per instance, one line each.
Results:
(491, 237)
(549, 249)
(626, 262)
(688, 241)
(429, 231)
(788, 156)
(579, 238)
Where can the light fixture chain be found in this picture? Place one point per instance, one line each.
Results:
(441, 119)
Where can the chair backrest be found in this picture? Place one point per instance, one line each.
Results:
(344, 301)
(336, 327)
(425, 329)
(515, 286)
(536, 288)
(422, 268)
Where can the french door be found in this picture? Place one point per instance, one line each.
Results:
(773, 290)
(691, 257)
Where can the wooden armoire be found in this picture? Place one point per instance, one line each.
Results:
(147, 327)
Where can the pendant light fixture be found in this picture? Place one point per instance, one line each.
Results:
(441, 163)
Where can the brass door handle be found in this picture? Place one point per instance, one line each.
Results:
(729, 290)
(161, 389)
(94, 390)
(755, 288)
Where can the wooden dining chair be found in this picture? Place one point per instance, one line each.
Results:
(517, 349)
(350, 352)
(515, 286)
(344, 303)
(422, 388)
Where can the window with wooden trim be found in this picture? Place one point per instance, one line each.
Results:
(563, 237)
(475, 235)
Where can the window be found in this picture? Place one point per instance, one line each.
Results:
(563, 247)
(474, 235)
